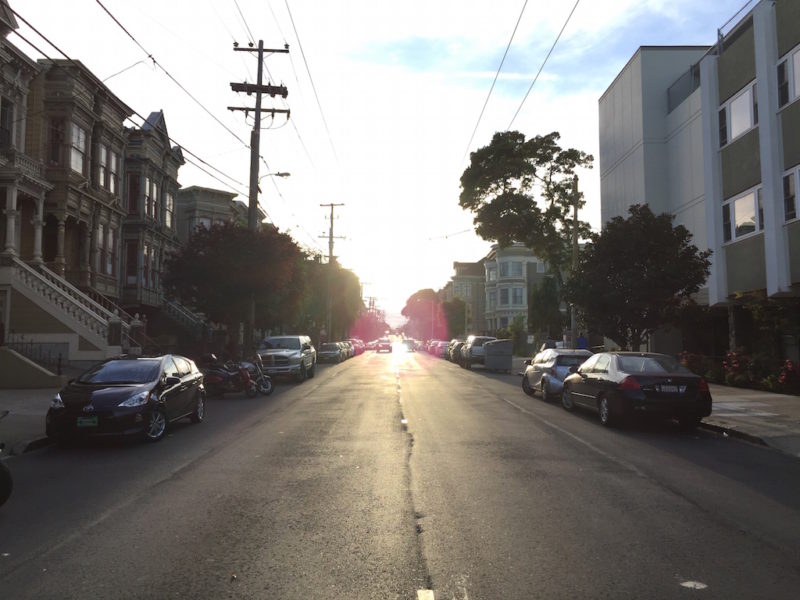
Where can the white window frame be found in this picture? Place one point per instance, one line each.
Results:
(504, 268)
(750, 93)
(500, 299)
(77, 154)
(731, 205)
(794, 173)
(792, 61)
(518, 293)
(516, 269)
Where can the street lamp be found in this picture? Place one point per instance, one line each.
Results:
(278, 174)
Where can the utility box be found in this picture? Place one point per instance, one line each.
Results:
(498, 355)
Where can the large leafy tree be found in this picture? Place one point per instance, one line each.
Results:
(522, 190)
(221, 268)
(635, 275)
(544, 312)
(424, 313)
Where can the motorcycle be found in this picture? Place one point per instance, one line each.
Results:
(6, 484)
(230, 376)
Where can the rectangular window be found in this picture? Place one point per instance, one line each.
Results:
(111, 253)
(134, 192)
(492, 300)
(6, 122)
(744, 214)
(101, 248)
(155, 201)
(169, 208)
(726, 222)
(55, 141)
(760, 201)
(741, 115)
(148, 199)
(78, 150)
(789, 197)
(516, 269)
(492, 274)
(146, 266)
(783, 83)
(516, 296)
(540, 267)
(723, 127)
(503, 269)
(796, 73)
(131, 263)
(468, 290)
(113, 173)
(102, 167)
(754, 94)
(504, 297)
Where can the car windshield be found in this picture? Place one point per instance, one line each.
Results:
(329, 348)
(280, 343)
(122, 371)
(651, 364)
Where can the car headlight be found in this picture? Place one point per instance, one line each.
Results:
(57, 402)
(136, 400)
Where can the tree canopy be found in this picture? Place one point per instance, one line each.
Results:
(634, 276)
(522, 190)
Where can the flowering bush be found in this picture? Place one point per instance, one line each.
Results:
(737, 369)
(789, 377)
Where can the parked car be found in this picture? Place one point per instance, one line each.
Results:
(292, 355)
(473, 353)
(330, 352)
(619, 384)
(455, 353)
(358, 345)
(383, 345)
(128, 397)
(547, 370)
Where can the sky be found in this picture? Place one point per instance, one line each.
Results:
(384, 98)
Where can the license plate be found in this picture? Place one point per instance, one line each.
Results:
(672, 389)
(87, 421)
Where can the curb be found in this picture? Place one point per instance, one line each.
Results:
(734, 433)
(29, 446)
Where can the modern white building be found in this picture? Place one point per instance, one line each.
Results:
(712, 136)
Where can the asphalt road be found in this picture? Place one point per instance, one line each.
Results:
(390, 475)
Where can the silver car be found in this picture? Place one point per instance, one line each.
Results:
(293, 355)
(547, 370)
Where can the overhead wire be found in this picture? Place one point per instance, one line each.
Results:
(144, 120)
(311, 79)
(169, 75)
(544, 62)
(496, 75)
(246, 26)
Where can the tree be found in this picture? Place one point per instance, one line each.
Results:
(220, 268)
(455, 313)
(544, 310)
(522, 191)
(635, 275)
(424, 313)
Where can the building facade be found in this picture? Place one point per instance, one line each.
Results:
(468, 285)
(712, 136)
(510, 274)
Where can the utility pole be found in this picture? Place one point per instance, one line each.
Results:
(574, 322)
(255, 142)
(330, 269)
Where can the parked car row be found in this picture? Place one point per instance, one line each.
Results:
(462, 351)
(619, 385)
(337, 352)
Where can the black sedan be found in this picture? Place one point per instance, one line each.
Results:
(128, 397)
(622, 384)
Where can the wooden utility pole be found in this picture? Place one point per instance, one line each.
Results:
(330, 270)
(255, 152)
(573, 319)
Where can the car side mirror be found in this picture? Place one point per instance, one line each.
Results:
(527, 362)
(171, 380)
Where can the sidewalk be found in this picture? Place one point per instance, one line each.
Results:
(760, 417)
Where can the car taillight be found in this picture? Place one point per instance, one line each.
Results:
(702, 386)
(629, 383)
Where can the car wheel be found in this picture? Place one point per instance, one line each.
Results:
(526, 385)
(311, 370)
(301, 375)
(566, 398)
(264, 386)
(199, 409)
(607, 418)
(156, 425)
(689, 422)
(545, 394)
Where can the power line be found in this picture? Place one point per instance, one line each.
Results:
(311, 79)
(558, 37)
(80, 67)
(251, 39)
(480, 116)
(168, 74)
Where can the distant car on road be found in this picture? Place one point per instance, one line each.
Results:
(619, 384)
(383, 345)
(128, 397)
(546, 371)
(330, 352)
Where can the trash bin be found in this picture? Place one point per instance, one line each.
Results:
(497, 355)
